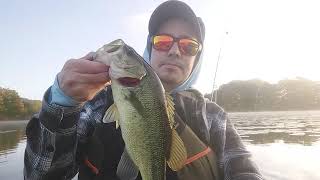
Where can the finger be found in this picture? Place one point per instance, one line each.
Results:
(99, 78)
(108, 83)
(95, 87)
(89, 67)
(87, 91)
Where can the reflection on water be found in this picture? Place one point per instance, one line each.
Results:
(11, 133)
(12, 144)
(285, 145)
(299, 127)
(280, 161)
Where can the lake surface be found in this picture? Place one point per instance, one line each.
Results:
(285, 145)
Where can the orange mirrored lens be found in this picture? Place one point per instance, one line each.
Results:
(189, 46)
(162, 43)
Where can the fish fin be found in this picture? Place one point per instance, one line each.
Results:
(178, 152)
(112, 115)
(170, 109)
(126, 168)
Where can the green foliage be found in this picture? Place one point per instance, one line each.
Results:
(2, 108)
(14, 107)
(257, 95)
(31, 106)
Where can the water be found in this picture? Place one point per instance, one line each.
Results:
(285, 145)
(12, 145)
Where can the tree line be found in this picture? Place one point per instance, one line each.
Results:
(12, 106)
(258, 95)
(249, 95)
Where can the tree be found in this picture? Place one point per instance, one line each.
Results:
(31, 106)
(258, 95)
(13, 103)
(2, 107)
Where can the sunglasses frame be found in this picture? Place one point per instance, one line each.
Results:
(176, 39)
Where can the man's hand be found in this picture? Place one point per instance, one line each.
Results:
(81, 79)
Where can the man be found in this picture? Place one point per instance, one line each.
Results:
(68, 135)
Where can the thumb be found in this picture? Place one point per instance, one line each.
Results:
(90, 56)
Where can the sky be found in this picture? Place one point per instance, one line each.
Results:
(269, 40)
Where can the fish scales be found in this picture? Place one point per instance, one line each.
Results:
(142, 113)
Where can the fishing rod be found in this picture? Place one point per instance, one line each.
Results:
(215, 73)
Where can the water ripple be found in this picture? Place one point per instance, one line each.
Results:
(301, 127)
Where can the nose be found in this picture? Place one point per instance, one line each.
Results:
(174, 50)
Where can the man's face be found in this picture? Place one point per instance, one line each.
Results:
(172, 66)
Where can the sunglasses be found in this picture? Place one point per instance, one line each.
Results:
(187, 46)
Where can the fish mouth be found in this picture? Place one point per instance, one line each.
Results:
(129, 81)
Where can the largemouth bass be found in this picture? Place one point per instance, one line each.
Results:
(144, 113)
